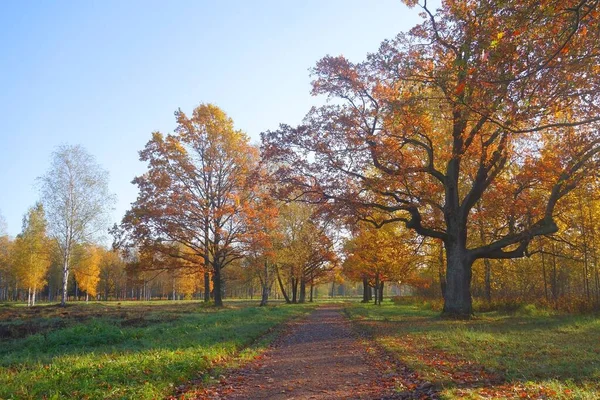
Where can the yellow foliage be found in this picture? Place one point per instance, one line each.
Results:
(87, 270)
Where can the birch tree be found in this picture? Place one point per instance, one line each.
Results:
(77, 201)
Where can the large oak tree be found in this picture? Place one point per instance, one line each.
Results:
(196, 191)
(486, 108)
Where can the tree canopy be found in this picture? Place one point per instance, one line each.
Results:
(484, 103)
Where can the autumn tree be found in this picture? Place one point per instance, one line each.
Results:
(87, 269)
(196, 190)
(77, 201)
(484, 102)
(30, 254)
(304, 249)
(379, 255)
(112, 274)
(261, 238)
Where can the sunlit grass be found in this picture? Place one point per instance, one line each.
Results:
(145, 357)
(548, 355)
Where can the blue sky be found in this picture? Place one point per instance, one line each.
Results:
(105, 74)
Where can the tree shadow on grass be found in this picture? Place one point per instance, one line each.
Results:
(495, 356)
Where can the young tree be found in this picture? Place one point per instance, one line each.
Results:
(484, 101)
(262, 234)
(77, 201)
(112, 275)
(31, 258)
(196, 190)
(87, 269)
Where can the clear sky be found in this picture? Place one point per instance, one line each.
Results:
(105, 74)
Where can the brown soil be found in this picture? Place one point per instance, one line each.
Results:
(20, 322)
(321, 358)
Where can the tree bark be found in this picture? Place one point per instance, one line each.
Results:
(281, 286)
(457, 301)
(302, 297)
(65, 280)
(381, 292)
(366, 290)
(294, 290)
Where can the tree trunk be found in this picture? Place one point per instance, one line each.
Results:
(65, 281)
(294, 290)
(302, 298)
(29, 297)
(366, 290)
(457, 301)
(206, 287)
(380, 292)
(33, 296)
(87, 297)
(281, 286)
(217, 286)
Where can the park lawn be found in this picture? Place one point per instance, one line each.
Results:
(143, 350)
(529, 354)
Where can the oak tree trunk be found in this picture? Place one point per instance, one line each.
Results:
(457, 300)
(294, 290)
(366, 290)
(302, 298)
(206, 287)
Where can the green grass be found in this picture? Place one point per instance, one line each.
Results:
(139, 351)
(529, 353)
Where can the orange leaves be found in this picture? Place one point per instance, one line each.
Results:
(387, 252)
(460, 88)
(198, 191)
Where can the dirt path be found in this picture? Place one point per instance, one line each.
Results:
(322, 358)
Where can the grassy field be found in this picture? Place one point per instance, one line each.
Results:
(137, 350)
(530, 354)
